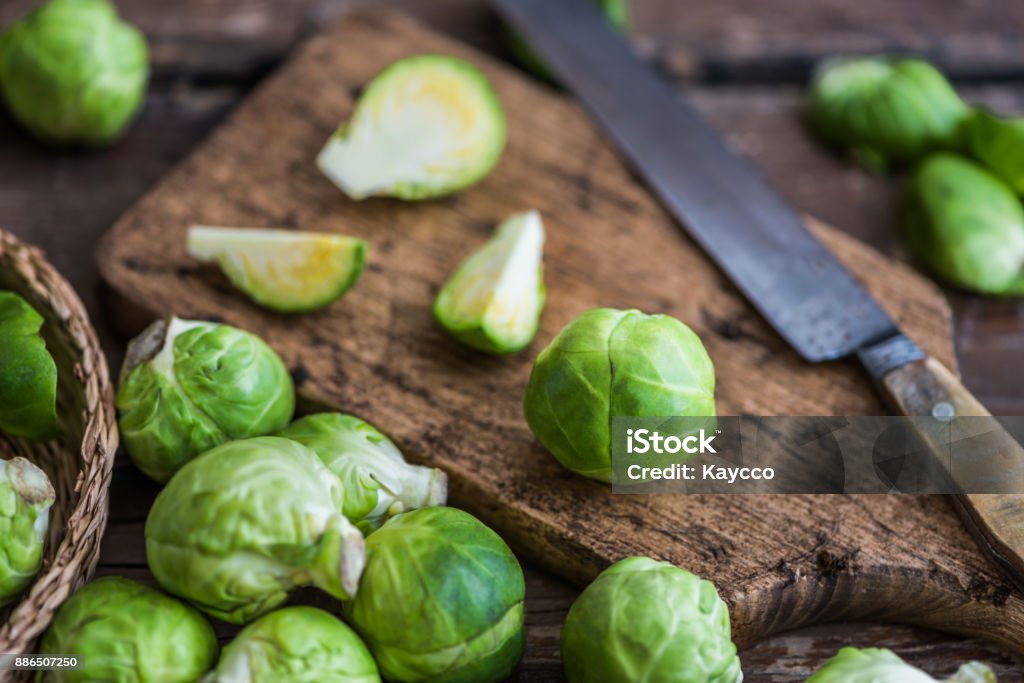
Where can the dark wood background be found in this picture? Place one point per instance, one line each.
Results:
(744, 63)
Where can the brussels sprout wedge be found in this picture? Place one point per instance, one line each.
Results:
(377, 480)
(878, 665)
(28, 375)
(288, 271)
(998, 143)
(494, 299)
(122, 630)
(295, 645)
(26, 497)
(425, 126)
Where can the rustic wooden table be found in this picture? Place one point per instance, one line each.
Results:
(744, 63)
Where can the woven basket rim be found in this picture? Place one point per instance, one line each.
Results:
(73, 561)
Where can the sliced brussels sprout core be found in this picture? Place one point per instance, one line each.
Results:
(878, 665)
(123, 630)
(295, 645)
(494, 300)
(241, 525)
(289, 271)
(187, 386)
(377, 481)
(28, 374)
(425, 126)
(26, 497)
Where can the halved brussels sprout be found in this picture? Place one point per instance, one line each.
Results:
(646, 620)
(377, 481)
(122, 630)
(425, 126)
(998, 143)
(494, 299)
(187, 386)
(878, 665)
(966, 225)
(289, 271)
(610, 363)
(441, 599)
(26, 497)
(28, 375)
(244, 523)
(295, 645)
(72, 72)
(885, 110)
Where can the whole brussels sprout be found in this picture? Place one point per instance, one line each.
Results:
(377, 481)
(646, 620)
(28, 375)
(26, 497)
(187, 386)
(998, 143)
(607, 363)
(885, 109)
(441, 599)
(244, 523)
(126, 632)
(965, 225)
(877, 665)
(73, 72)
(295, 645)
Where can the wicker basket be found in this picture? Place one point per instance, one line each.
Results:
(79, 466)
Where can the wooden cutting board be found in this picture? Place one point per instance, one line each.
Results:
(780, 561)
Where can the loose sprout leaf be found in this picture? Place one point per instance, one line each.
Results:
(28, 374)
(868, 665)
(425, 126)
(494, 300)
(289, 271)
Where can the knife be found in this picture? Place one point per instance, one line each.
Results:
(762, 245)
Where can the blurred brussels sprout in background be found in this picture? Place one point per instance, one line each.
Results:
(26, 497)
(377, 481)
(998, 143)
(608, 363)
(295, 645)
(244, 523)
(187, 386)
(494, 299)
(441, 599)
(425, 126)
(615, 11)
(885, 110)
(876, 665)
(965, 225)
(72, 72)
(28, 375)
(646, 620)
(122, 630)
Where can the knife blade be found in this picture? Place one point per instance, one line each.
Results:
(762, 245)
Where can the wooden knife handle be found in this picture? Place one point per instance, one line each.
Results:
(992, 461)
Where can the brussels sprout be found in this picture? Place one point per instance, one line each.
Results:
(377, 481)
(73, 72)
(615, 11)
(126, 632)
(188, 386)
(998, 143)
(296, 645)
(28, 375)
(876, 665)
(26, 497)
(646, 620)
(885, 109)
(610, 363)
(494, 299)
(441, 599)
(965, 225)
(244, 523)
(425, 126)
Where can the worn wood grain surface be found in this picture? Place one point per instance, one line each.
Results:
(208, 55)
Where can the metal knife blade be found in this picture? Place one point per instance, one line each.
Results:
(760, 242)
